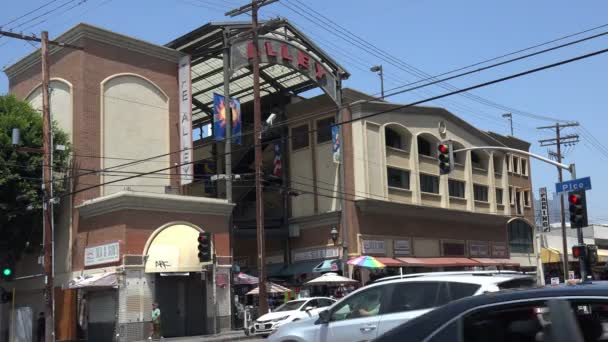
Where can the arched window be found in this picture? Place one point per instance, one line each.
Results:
(479, 160)
(520, 237)
(396, 137)
(459, 158)
(427, 145)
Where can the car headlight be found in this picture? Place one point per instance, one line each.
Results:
(280, 318)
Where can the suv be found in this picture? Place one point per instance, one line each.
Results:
(377, 308)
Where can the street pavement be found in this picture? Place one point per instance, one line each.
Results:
(225, 336)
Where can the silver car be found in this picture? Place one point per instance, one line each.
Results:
(377, 308)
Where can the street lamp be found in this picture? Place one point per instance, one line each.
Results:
(334, 235)
(378, 69)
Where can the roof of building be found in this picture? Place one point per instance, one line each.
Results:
(83, 30)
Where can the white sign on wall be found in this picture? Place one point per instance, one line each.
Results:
(103, 254)
(402, 247)
(185, 121)
(275, 259)
(479, 249)
(314, 254)
(373, 246)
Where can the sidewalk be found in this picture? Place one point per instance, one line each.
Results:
(234, 335)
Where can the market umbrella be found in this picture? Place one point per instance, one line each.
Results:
(245, 279)
(270, 288)
(331, 279)
(366, 261)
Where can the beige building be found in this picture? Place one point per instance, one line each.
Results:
(398, 207)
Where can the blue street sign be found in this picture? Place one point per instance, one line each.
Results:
(574, 185)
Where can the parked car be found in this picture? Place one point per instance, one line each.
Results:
(377, 308)
(550, 314)
(290, 312)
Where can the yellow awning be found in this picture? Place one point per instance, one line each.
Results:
(602, 255)
(174, 249)
(549, 254)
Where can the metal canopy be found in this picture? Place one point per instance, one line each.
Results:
(206, 47)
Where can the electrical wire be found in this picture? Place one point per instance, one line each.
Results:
(28, 13)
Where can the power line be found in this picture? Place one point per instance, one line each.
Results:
(28, 13)
(527, 72)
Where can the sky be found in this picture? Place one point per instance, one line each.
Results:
(432, 36)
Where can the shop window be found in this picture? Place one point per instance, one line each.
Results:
(480, 192)
(429, 183)
(394, 139)
(456, 188)
(324, 130)
(520, 237)
(453, 249)
(398, 178)
(424, 147)
(527, 198)
(299, 137)
(498, 196)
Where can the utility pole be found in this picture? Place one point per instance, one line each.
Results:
(257, 141)
(510, 117)
(47, 176)
(558, 141)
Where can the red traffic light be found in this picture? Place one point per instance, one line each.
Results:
(202, 238)
(574, 199)
(576, 251)
(443, 148)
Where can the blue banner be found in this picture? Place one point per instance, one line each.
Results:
(219, 119)
(335, 142)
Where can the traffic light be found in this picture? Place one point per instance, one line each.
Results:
(446, 157)
(7, 271)
(578, 209)
(204, 247)
(579, 251)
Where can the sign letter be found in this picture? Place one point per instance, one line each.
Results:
(269, 51)
(303, 60)
(285, 53)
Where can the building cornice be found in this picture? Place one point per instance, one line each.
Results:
(316, 220)
(82, 30)
(131, 200)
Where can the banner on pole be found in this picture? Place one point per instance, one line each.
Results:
(335, 143)
(219, 118)
(544, 210)
(185, 122)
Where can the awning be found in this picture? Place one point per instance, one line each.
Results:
(439, 262)
(108, 279)
(333, 265)
(390, 262)
(548, 255)
(602, 255)
(495, 262)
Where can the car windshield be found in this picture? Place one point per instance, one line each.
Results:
(290, 306)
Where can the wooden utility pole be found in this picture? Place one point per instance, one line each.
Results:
(47, 190)
(47, 176)
(559, 141)
(257, 141)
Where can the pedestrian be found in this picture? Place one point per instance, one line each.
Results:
(156, 332)
(41, 327)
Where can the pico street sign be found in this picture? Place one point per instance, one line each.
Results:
(574, 185)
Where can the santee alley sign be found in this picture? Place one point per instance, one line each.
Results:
(276, 51)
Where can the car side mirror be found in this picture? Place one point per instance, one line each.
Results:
(308, 308)
(324, 317)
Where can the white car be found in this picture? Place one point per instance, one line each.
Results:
(290, 312)
(377, 308)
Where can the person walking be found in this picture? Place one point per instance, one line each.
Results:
(156, 331)
(41, 327)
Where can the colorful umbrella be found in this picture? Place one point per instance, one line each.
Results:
(366, 261)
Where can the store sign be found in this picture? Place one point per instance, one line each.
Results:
(373, 246)
(479, 249)
(186, 167)
(402, 247)
(315, 254)
(277, 51)
(103, 254)
(499, 250)
(544, 210)
(275, 259)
